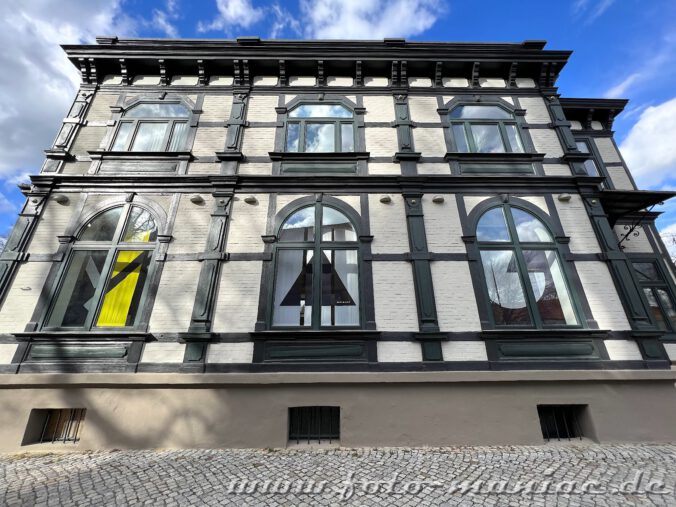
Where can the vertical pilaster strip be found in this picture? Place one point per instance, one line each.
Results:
(232, 154)
(562, 127)
(406, 154)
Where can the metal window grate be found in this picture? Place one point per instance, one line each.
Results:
(314, 424)
(62, 425)
(561, 421)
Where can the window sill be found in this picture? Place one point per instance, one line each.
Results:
(302, 334)
(83, 335)
(494, 157)
(542, 334)
(139, 155)
(352, 156)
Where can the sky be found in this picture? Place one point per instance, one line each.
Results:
(622, 49)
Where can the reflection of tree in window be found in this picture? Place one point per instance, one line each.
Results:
(153, 127)
(320, 128)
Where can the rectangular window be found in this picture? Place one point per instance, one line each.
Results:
(346, 137)
(293, 288)
(340, 288)
(514, 139)
(54, 426)
(460, 138)
(149, 137)
(122, 137)
(314, 424)
(487, 138)
(589, 164)
(549, 288)
(292, 136)
(658, 295)
(178, 136)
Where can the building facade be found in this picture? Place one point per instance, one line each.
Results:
(247, 243)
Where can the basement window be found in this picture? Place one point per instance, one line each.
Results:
(314, 424)
(54, 426)
(561, 422)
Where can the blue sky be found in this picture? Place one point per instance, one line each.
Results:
(622, 48)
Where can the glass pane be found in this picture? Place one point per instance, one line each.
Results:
(590, 168)
(529, 228)
(668, 306)
(346, 137)
(149, 137)
(487, 139)
(549, 287)
(646, 271)
(582, 146)
(160, 110)
(76, 295)
(514, 139)
(492, 226)
(340, 288)
(140, 228)
(320, 111)
(336, 226)
(460, 138)
(178, 136)
(320, 137)
(122, 296)
(293, 288)
(102, 227)
(655, 308)
(123, 132)
(292, 136)
(480, 112)
(505, 293)
(300, 226)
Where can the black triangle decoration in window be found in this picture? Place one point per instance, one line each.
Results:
(333, 288)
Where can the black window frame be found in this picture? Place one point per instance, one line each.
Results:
(595, 156)
(664, 283)
(466, 124)
(337, 122)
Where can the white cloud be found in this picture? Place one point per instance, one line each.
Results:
(231, 14)
(620, 89)
(669, 238)
(591, 9)
(162, 20)
(649, 149)
(368, 19)
(283, 20)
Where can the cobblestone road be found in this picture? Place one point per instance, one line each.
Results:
(496, 476)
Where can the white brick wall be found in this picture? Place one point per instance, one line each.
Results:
(257, 142)
(473, 200)
(464, 351)
(376, 81)
(151, 80)
(221, 80)
(536, 200)
(388, 225)
(442, 225)
(634, 244)
(455, 82)
(216, 108)
(209, 140)
(392, 168)
(23, 295)
(237, 300)
(158, 352)
(230, 353)
(257, 168)
(175, 297)
(454, 296)
(547, 142)
(302, 81)
(381, 141)
(88, 138)
(577, 225)
(394, 296)
(429, 142)
(509, 100)
(7, 351)
(419, 82)
(265, 80)
(399, 352)
(434, 168)
(607, 150)
(536, 110)
(100, 107)
(671, 351)
(184, 80)
(423, 109)
(353, 201)
(284, 199)
(557, 169)
(623, 350)
(203, 168)
(192, 225)
(75, 167)
(52, 223)
(111, 79)
(339, 81)
(262, 108)
(620, 178)
(379, 108)
(247, 224)
(492, 82)
(600, 292)
(524, 82)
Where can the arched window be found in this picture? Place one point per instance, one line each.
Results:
(483, 128)
(104, 282)
(317, 270)
(525, 280)
(153, 126)
(320, 128)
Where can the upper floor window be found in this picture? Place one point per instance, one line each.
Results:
(525, 281)
(657, 293)
(320, 128)
(153, 126)
(317, 270)
(481, 128)
(589, 164)
(104, 280)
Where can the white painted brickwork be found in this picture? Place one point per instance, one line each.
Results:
(111, 79)
(455, 82)
(162, 200)
(184, 81)
(75, 167)
(634, 244)
(423, 109)
(671, 351)
(257, 142)
(524, 82)
(464, 351)
(607, 150)
(237, 300)
(100, 107)
(435, 168)
(392, 168)
(175, 296)
(247, 225)
(454, 296)
(284, 199)
(388, 225)
(547, 142)
(52, 223)
(151, 80)
(557, 169)
(394, 296)
(536, 110)
(575, 125)
(203, 168)
(157, 352)
(577, 225)
(620, 178)
(536, 200)
(419, 82)
(596, 125)
(257, 168)
(600, 292)
(220, 80)
(216, 108)
(22, 296)
(378, 108)
(353, 201)
(265, 81)
(399, 352)
(7, 351)
(262, 108)
(230, 353)
(339, 81)
(381, 141)
(88, 138)
(376, 81)
(191, 227)
(302, 81)
(442, 225)
(623, 350)
(429, 142)
(492, 82)
(209, 140)
(473, 200)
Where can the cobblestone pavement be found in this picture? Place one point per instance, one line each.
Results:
(583, 474)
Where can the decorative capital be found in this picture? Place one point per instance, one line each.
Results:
(269, 238)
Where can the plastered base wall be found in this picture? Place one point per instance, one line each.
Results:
(372, 414)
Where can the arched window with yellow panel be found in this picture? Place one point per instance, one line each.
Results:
(104, 281)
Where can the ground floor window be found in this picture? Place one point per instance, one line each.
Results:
(314, 424)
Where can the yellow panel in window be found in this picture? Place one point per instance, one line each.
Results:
(121, 289)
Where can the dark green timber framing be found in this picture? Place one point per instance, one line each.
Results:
(406, 154)
(232, 153)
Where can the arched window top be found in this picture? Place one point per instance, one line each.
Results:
(300, 225)
(139, 226)
(158, 110)
(480, 112)
(493, 226)
(320, 111)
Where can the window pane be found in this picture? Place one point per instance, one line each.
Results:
(480, 112)
(340, 288)
(492, 226)
(178, 136)
(549, 287)
(514, 139)
(163, 110)
(320, 137)
(505, 293)
(140, 228)
(336, 226)
(460, 138)
(529, 228)
(293, 288)
(300, 226)
(149, 137)
(582, 146)
(655, 308)
(122, 296)
(123, 132)
(590, 168)
(102, 227)
(292, 136)
(346, 137)
(646, 271)
(668, 306)
(75, 299)
(487, 138)
(320, 111)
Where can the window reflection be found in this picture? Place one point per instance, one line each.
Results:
(320, 128)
